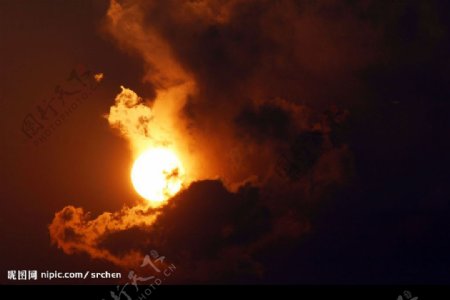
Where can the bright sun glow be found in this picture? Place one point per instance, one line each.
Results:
(157, 175)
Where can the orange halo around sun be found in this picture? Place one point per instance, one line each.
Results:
(157, 175)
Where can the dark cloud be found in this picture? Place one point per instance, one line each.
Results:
(274, 152)
(242, 49)
(199, 228)
(267, 122)
(273, 80)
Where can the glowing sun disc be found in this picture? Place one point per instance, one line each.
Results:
(157, 175)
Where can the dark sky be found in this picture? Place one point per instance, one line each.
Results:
(348, 100)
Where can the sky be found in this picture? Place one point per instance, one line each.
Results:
(313, 135)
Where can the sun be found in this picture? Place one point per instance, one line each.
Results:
(157, 175)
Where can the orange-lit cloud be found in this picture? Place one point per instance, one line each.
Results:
(229, 82)
(74, 231)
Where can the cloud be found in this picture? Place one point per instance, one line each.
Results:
(245, 94)
(227, 70)
(204, 228)
(74, 231)
(131, 116)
